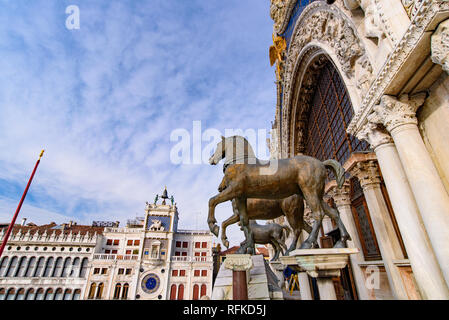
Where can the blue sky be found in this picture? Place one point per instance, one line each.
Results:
(104, 99)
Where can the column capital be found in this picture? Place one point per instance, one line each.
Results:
(238, 262)
(374, 134)
(342, 196)
(394, 112)
(368, 173)
(440, 45)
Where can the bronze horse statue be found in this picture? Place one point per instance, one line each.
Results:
(271, 233)
(247, 177)
(266, 209)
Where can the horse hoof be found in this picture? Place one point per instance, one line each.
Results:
(216, 230)
(306, 245)
(340, 244)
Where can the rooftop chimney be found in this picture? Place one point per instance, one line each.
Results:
(24, 220)
(70, 223)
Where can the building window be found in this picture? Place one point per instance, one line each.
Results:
(40, 294)
(196, 273)
(20, 294)
(125, 291)
(121, 270)
(21, 269)
(109, 242)
(129, 243)
(178, 244)
(96, 271)
(67, 294)
(173, 292)
(181, 292)
(128, 251)
(11, 294)
(48, 267)
(204, 273)
(2, 294)
(182, 273)
(118, 288)
(174, 273)
(76, 294)
(128, 271)
(40, 266)
(185, 245)
(58, 294)
(58, 268)
(204, 245)
(114, 251)
(3, 265)
(104, 271)
(197, 245)
(30, 267)
(65, 269)
(12, 267)
(184, 254)
(136, 242)
(107, 251)
(99, 291)
(196, 292)
(29, 296)
(83, 268)
(49, 294)
(92, 288)
(203, 290)
(177, 253)
(116, 242)
(203, 254)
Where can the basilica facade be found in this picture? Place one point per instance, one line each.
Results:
(365, 82)
(149, 259)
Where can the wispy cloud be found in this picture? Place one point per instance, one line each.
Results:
(102, 101)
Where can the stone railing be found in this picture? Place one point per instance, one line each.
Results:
(101, 256)
(122, 230)
(191, 259)
(88, 238)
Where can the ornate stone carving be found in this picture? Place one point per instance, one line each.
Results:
(440, 45)
(368, 173)
(156, 225)
(238, 262)
(342, 197)
(374, 135)
(412, 6)
(364, 75)
(373, 23)
(427, 12)
(393, 112)
(280, 11)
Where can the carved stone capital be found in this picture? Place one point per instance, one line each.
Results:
(440, 46)
(393, 112)
(368, 174)
(342, 196)
(374, 134)
(238, 262)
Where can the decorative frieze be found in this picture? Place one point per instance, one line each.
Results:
(393, 112)
(440, 46)
(280, 11)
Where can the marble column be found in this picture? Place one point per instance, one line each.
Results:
(368, 174)
(304, 286)
(425, 267)
(399, 117)
(342, 198)
(240, 264)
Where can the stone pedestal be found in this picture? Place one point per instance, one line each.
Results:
(323, 264)
(240, 264)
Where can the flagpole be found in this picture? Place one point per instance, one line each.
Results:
(11, 226)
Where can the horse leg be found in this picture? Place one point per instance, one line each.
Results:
(231, 220)
(248, 245)
(295, 220)
(277, 249)
(335, 215)
(228, 194)
(315, 204)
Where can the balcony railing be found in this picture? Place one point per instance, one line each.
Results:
(191, 259)
(115, 257)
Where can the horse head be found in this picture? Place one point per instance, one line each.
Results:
(219, 152)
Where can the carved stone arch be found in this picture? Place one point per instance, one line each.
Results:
(321, 31)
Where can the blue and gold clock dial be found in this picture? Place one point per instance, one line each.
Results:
(150, 283)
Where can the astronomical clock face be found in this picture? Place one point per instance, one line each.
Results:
(151, 283)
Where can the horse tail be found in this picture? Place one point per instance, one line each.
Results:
(338, 170)
(286, 232)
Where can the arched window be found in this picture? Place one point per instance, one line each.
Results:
(173, 292)
(58, 268)
(196, 291)
(118, 288)
(92, 288)
(12, 267)
(75, 268)
(48, 267)
(76, 294)
(30, 294)
(30, 267)
(125, 291)
(49, 294)
(11, 294)
(67, 294)
(3, 264)
(65, 269)
(20, 270)
(181, 292)
(58, 294)
(20, 294)
(40, 294)
(83, 268)
(2, 294)
(99, 291)
(203, 290)
(39, 267)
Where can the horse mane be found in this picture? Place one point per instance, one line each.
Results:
(241, 151)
